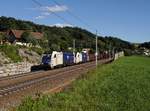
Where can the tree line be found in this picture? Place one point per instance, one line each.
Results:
(56, 38)
(145, 45)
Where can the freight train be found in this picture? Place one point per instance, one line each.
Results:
(61, 59)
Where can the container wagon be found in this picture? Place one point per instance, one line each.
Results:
(68, 58)
(84, 57)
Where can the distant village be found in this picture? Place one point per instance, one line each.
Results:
(145, 51)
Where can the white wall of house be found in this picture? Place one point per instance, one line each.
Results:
(24, 44)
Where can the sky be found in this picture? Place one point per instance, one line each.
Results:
(125, 19)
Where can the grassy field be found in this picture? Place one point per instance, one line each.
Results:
(123, 85)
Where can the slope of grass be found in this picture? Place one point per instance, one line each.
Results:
(123, 85)
(11, 52)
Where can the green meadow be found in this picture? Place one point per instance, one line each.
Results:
(123, 85)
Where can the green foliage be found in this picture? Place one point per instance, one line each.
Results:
(56, 38)
(128, 52)
(2, 37)
(145, 45)
(34, 41)
(37, 50)
(123, 85)
(37, 104)
(26, 37)
(11, 52)
(118, 43)
(44, 42)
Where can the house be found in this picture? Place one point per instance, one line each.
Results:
(146, 52)
(15, 35)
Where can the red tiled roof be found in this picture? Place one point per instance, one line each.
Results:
(18, 34)
(37, 35)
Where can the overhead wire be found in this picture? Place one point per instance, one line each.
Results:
(60, 17)
(77, 17)
(70, 13)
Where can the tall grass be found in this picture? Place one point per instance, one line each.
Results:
(123, 85)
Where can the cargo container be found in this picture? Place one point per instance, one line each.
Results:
(68, 58)
(91, 57)
(84, 57)
(78, 58)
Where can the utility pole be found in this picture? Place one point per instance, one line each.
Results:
(113, 51)
(96, 54)
(74, 45)
(109, 51)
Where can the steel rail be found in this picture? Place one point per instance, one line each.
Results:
(26, 84)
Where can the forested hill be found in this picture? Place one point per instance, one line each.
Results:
(145, 44)
(62, 38)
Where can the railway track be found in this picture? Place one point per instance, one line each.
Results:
(17, 75)
(52, 81)
(26, 84)
(30, 73)
(30, 76)
(53, 75)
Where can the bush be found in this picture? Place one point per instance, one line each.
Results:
(37, 50)
(128, 52)
(11, 52)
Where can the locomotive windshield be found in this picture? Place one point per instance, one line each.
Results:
(46, 59)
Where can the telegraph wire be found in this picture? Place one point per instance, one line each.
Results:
(60, 17)
(75, 16)
(69, 12)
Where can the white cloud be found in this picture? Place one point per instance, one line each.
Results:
(62, 25)
(40, 17)
(45, 13)
(55, 8)
(47, 10)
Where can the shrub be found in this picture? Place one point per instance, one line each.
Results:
(37, 50)
(11, 52)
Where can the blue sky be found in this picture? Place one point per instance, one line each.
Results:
(127, 19)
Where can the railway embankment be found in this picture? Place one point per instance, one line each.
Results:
(15, 68)
(17, 59)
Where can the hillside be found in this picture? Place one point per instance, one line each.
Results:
(145, 44)
(12, 54)
(62, 38)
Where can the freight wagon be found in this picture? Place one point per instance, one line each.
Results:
(85, 57)
(59, 59)
(78, 58)
(68, 58)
